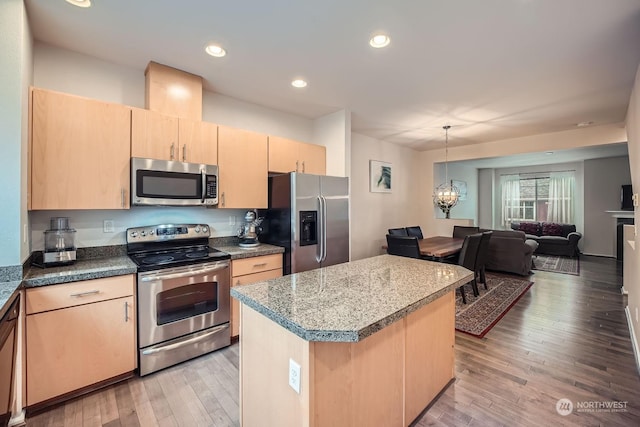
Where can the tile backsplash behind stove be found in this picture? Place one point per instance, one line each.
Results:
(89, 224)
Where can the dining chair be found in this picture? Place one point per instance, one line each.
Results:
(414, 231)
(460, 231)
(483, 255)
(403, 246)
(398, 232)
(467, 259)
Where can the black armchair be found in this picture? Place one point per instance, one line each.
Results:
(415, 231)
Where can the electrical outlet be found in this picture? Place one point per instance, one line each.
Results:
(107, 226)
(294, 375)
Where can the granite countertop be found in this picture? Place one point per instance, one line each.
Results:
(81, 270)
(348, 302)
(237, 252)
(8, 290)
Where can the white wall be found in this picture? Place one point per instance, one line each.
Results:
(15, 75)
(70, 72)
(334, 132)
(373, 213)
(486, 194)
(633, 131)
(602, 181)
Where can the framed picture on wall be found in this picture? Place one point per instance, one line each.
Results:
(462, 188)
(379, 177)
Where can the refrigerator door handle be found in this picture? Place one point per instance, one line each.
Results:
(324, 228)
(320, 246)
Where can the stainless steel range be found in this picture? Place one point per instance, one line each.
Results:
(182, 294)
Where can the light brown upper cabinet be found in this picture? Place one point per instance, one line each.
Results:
(80, 150)
(287, 155)
(242, 168)
(158, 136)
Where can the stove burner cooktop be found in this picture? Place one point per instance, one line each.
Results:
(171, 245)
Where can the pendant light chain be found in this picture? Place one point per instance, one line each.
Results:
(446, 153)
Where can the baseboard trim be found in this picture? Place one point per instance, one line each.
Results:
(634, 342)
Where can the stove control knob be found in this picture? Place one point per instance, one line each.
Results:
(205, 229)
(134, 234)
(151, 232)
(143, 233)
(197, 229)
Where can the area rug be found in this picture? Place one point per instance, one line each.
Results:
(481, 313)
(557, 264)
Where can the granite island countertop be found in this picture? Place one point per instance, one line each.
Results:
(8, 291)
(348, 302)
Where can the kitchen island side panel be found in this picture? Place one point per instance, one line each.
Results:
(351, 384)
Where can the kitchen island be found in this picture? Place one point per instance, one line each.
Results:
(373, 339)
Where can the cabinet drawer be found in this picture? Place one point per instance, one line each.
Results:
(77, 293)
(256, 277)
(240, 267)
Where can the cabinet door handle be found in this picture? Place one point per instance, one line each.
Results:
(222, 198)
(172, 151)
(184, 152)
(238, 283)
(297, 166)
(86, 294)
(303, 166)
(122, 201)
(126, 311)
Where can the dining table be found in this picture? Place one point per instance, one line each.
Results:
(440, 247)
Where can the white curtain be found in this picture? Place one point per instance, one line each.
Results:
(510, 185)
(561, 197)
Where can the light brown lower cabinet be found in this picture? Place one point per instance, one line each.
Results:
(88, 340)
(251, 270)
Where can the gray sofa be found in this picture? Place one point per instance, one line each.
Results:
(552, 238)
(510, 252)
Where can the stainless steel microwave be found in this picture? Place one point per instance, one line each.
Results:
(173, 183)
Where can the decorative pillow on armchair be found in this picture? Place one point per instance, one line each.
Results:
(551, 229)
(530, 228)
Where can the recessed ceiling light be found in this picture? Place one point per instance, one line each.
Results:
(80, 3)
(583, 124)
(215, 50)
(299, 83)
(379, 40)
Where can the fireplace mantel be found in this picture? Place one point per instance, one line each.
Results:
(621, 214)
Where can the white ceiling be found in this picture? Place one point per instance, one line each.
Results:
(493, 69)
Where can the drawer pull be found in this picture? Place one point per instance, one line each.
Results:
(85, 294)
(262, 264)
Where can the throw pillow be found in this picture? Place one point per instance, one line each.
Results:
(551, 229)
(530, 228)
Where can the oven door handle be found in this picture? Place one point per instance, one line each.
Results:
(187, 273)
(175, 345)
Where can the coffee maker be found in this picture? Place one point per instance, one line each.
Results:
(248, 233)
(59, 244)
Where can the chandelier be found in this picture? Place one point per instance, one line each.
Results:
(445, 195)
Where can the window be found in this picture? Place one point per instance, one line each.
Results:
(543, 197)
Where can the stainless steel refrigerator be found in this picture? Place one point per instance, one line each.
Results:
(308, 215)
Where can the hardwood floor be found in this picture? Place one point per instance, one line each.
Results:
(567, 337)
